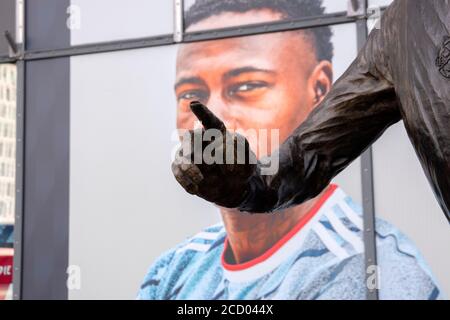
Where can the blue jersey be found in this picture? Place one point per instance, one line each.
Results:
(321, 258)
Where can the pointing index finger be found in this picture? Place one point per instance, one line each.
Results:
(206, 117)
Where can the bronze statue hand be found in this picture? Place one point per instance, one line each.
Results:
(213, 163)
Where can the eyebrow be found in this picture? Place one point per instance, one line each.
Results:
(239, 71)
(227, 75)
(189, 80)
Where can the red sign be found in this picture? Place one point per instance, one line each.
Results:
(6, 269)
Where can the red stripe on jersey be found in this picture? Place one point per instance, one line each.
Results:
(305, 219)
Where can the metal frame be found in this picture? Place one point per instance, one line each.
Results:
(305, 23)
(367, 184)
(25, 55)
(7, 60)
(178, 20)
(168, 39)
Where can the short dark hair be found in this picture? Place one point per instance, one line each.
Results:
(290, 9)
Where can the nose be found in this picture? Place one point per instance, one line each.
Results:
(222, 110)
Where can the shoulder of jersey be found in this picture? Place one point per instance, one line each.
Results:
(204, 241)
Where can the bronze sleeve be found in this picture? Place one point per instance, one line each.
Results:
(360, 107)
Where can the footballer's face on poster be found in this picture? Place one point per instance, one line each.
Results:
(255, 84)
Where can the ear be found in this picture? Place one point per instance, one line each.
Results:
(320, 81)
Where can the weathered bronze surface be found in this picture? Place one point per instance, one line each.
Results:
(402, 73)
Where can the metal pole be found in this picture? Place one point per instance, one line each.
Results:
(370, 251)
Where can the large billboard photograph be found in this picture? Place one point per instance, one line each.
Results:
(220, 150)
(128, 214)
